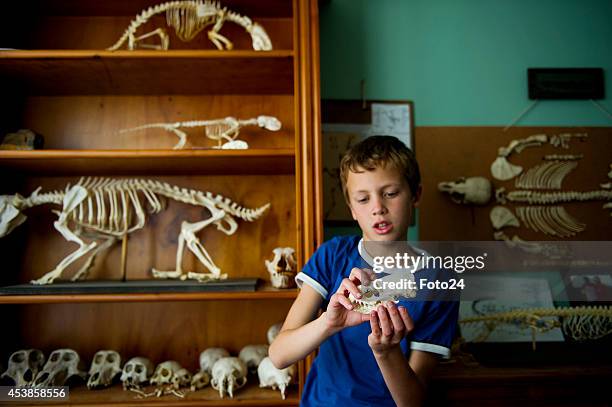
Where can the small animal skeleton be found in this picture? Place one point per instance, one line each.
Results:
(282, 268)
(579, 323)
(188, 18)
(108, 209)
(224, 131)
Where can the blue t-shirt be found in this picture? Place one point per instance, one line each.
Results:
(345, 372)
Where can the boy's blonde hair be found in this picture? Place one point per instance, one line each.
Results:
(378, 152)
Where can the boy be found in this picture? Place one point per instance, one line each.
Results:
(363, 363)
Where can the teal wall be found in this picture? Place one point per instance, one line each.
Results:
(463, 62)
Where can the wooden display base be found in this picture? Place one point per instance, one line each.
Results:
(129, 287)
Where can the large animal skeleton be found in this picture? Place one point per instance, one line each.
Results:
(106, 210)
(188, 18)
(539, 188)
(224, 131)
(579, 323)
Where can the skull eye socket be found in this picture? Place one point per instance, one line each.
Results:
(138, 369)
(54, 357)
(165, 372)
(18, 357)
(98, 359)
(110, 358)
(67, 357)
(128, 368)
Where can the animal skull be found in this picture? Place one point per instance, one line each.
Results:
(164, 372)
(10, 214)
(209, 357)
(273, 332)
(472, 190)
(182, 378)
(106, 364)
(199, 381)
(24, 365)
(228, 374)
(136, 373)
(60, 367)
(282, 268)
(269, 123)
(252, 355)
(270, 376)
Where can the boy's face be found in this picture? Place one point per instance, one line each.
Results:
(381, 202)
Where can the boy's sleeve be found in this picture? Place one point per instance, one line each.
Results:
(316, 272)
(434, 333)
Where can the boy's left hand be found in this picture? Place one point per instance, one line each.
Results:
(390, 324)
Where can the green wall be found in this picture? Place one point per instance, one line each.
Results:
(463, 62)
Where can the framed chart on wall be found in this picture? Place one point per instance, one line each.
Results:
(346, 122)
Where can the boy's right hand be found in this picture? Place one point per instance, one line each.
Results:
(339, 313)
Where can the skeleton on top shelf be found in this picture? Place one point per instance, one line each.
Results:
(106, 210)
(224, 131)
(539, 188)
(189, 18)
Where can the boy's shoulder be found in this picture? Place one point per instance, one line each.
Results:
(340, 244)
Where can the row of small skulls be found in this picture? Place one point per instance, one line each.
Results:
(28, 368)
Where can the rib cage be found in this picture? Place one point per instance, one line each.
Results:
(119, 206)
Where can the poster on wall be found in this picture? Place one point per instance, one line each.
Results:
(345, 123)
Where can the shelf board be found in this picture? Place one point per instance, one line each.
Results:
(263, 292)
(96, 72)
(150, 162)
(250, 395)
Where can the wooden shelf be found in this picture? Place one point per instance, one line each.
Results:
(263, 292)
(150, 162)
(84, 72)
(250, 395)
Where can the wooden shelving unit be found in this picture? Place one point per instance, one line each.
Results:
(60, 82)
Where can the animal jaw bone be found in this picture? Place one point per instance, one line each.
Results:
(270, 376)
(282, 268)
(548, 250)
(188, 18)
(112, 208)
(552, 220)
(549, 175)
(471, 190)
(23, 366)
(106, 364)
(224, 131)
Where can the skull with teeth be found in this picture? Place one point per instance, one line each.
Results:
(62, 365)
(164, 373)
(181, 378)
(106, 364)
(371, 298)
(136, 373)
(209, 357)
(24, 365)
(228, 374)
(270, 376)
(472, 190)
(282, 268)
(252, 355)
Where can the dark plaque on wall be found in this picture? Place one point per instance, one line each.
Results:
(565, 83)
